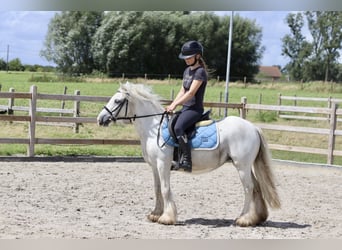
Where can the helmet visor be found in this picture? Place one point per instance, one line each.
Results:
(182, 56)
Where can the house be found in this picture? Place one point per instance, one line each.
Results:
(271, 72)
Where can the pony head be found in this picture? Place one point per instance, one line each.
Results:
(128, 99)
(116, 107)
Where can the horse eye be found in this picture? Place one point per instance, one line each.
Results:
(117, 101)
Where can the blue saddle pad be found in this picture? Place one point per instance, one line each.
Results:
(206, 137)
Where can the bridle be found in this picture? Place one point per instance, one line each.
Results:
(124, 102)
(118, 108)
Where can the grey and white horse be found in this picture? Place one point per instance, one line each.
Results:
(239, 141)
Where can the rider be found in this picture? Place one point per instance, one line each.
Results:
(190, 97)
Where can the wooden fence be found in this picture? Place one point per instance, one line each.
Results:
(331, 132)
(33, 118)
(295, 99)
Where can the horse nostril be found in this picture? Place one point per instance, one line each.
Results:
(100, 122)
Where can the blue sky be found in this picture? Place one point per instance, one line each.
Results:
(25, 32)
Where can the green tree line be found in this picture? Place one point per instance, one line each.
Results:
(149, 42)
(315, 59)
(16, 65)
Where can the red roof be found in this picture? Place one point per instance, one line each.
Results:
(272, 71)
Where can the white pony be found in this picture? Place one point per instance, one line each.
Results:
(239, 141)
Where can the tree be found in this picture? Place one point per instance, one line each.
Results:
(315, 60)
(138, 42)
(326, 30)
(246, 48)
(69, 38)
(3, 64)
(15, 65)
(296, 47)
(149, 42)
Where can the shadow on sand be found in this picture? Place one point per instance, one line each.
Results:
(228, 223)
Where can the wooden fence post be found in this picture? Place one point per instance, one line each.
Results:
(279, 103)
(10, 103)
(32, 114)
(329, 106)
(63, 101)
(77, 112)
(331, 145)
(260, 102)
(243, 112)
(172, 94)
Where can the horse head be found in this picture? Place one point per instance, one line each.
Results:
(116, 109)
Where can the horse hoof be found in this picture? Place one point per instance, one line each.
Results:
(246, 221)
(153, 217)
(166, 220)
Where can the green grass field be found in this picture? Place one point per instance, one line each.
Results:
(268, 92)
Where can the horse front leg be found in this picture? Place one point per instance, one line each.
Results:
(169, 216)
(159, 206)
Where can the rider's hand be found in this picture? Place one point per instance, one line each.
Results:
(170, 108)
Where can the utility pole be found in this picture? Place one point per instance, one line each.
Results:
(7, 57)
(228, 61)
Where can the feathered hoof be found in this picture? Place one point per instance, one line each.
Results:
(249, 221)
(166, 220)
(153, 217)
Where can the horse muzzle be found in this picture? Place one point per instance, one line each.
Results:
(104, 120)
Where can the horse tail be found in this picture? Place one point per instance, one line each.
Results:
(264, 175)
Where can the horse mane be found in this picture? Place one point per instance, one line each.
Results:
(141, 92)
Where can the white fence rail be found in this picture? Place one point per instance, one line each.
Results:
(33, 118)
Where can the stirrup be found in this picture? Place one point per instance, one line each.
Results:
(175, 165)
(179, 166)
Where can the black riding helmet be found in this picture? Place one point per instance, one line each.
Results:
(190, 49)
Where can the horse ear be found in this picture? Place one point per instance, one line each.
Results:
(123, 86)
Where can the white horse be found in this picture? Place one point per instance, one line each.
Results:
(239, 141)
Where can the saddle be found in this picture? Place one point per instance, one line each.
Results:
(190, 132)
(204, 126)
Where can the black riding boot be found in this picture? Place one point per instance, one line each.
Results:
(185, 161)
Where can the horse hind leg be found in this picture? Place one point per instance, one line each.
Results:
(255, 209)
(259, 187)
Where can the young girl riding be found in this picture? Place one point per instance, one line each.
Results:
(191, 97)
